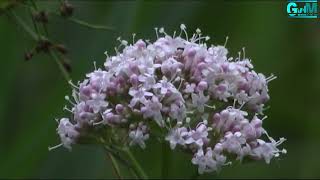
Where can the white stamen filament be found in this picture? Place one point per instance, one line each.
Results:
(54, 147)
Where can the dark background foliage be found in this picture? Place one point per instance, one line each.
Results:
(32, 93)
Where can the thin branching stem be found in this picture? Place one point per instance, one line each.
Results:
(92, 26)
(36, 37)
(60, 65)
(135, 164)
(116, 154)
(115, 165)
(84, 23)
(23, 25)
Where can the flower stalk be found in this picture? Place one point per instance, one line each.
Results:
(115, 165)
(60, 65)
(135, 164)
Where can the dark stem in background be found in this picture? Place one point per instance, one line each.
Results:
(38, 37)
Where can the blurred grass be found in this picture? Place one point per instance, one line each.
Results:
(32, 92)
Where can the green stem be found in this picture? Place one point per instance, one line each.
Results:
(135, 165)
(92, 26)
(85, 24)
(60, 65)
(115, 154)
(115, 165)
(24, 26)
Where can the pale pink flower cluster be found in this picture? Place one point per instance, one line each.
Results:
(201, 100)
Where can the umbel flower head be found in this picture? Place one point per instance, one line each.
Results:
(178, 89)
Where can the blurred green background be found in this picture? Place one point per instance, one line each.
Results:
(32, 93)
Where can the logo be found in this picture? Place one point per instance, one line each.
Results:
(302, 9)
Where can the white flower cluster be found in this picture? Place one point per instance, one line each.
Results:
(193, 94)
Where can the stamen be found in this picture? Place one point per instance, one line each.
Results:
(239, 56)
(133, 36)
(200, 38)
(156, 29)
(95, 124)
(198, 31)
(161, 30)
(174, 34)
(75, 96)
(168, 121)
(67, 109)
(269, 137)
(68, 99)
(72, 85)
(212, 107)
(183, 28)
(281, 140)
(242, 105)
(106, 53)
(270, 78)
(194, 36)
(95, 65)
(284, 151)
(119, 39)
(54, 147)
(124, 42)
(116, 50)
(265, 117)
(244, 52)
(225, 43)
